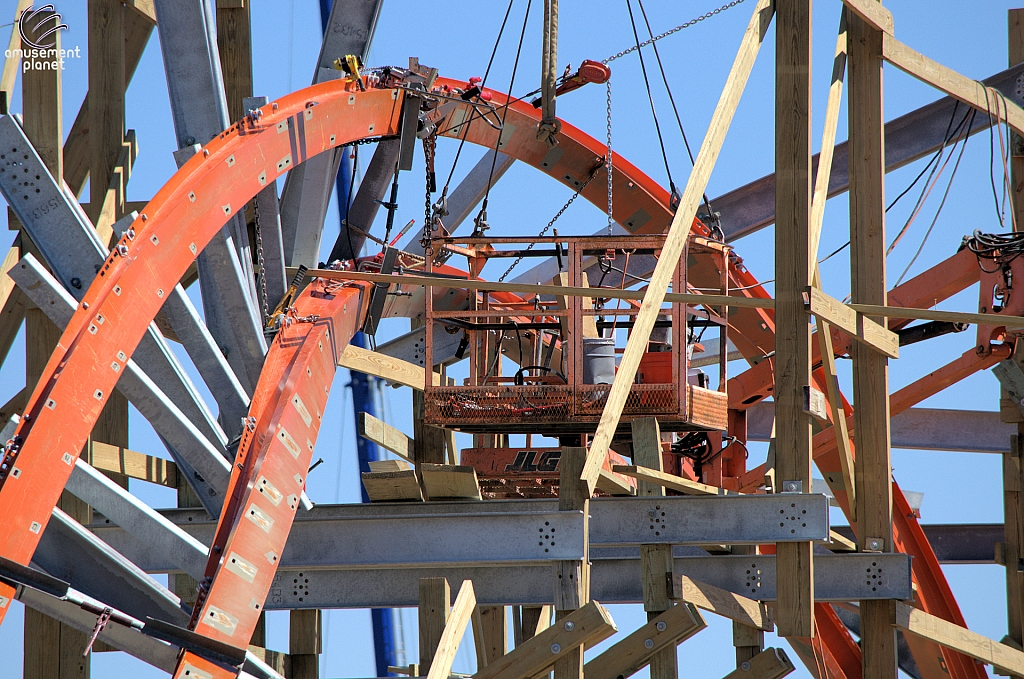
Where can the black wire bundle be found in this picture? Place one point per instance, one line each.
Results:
(697, 447)
(1001, 248)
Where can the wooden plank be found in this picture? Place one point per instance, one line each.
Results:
(840, 543)
(722, 602)
(454, 629)
(591, 625)
(305, 643)
(872, 13)
(962, 88)
(771, 663)
(385, 367)
(42, 101)
(137, 30)
(658, 637)
(572, 578)
(12, 313)
(10, 71)
(855, 324)
(1013, 525)
(113, 205)
(435, 596)
(589, 322)
(873, 472)
(134, 465)
(613, 484)
(144, 8)
(675, 240)
(106, 107)
(490, 634)
(671, 481)
(14, 406)
(389, 466)
(234, 43)
(392, 486)
(921, 624)
(793, 271)
(449, 482)
(835, 401)
(384, 435)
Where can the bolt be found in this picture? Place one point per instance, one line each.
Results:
(745, 666)
(661, 626)
(569, 626)
(874, 544)
(76, 283)
(652, 514)
(555, 648)
(648, 643)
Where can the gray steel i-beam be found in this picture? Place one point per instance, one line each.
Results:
(307, 189)
(204, 464)
(188, 42)
(69, 244)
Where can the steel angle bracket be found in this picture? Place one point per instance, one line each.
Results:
(273, 460)
(133, 282)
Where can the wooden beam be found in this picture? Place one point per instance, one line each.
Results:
(134, 465)
(10, 71)
(659, 637)
(1013, 525)
(144, 8)
(435, 597)
(14, 406)
(114, 205)
(771, 663)
(1002, 657)
(234, 42)
(305, 643)
(385, 367)
(392, 486)
(793, 271)
(971, 92)
(655, 566)
(449, 482)
(591, 625)
(384, 435)
(722, 602)
(137, 30)
(613, 484)
(675, 240)
(835, 402)
(670, 481)
(572, 578)
(855, 324)
(490, 634)
(873, 472)
(12, 301)
(454, 629)
(106, 107)
(872, 13)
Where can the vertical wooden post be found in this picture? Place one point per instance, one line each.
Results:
(490, 632)
(795, 608)
(655, 560)
(572, 578)
(873, 474)
(234, 42)
(305, 643)
(106, 98)
(52, 650)
(435, 604)
(1013, 521)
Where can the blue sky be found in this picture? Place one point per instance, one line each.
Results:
(286, 38)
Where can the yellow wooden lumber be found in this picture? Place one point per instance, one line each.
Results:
(835, 401)
(857, 325)
(722, 602)
(144, 8)
(392, 486)
(960, 87)
(134, 465)
(448, 481)
(10, 70)
(944, 633)
(873, 13)
(771, 663)
(590, 625)
(454, 629)
(675, 240)
(670, 481)
(633, 653)
(840, 543)
(385, 367)
(613, 485)
(384, 435)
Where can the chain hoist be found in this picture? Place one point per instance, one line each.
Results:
(429, 152)
(260, 263)
(605, 262)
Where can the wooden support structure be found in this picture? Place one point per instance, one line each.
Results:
(572, 578)
(454, 628)
(133, 465)
(1003, 658)
(653, 477)
(305, 643)
(793, 270)
(655, 567)
(588, 626)
(873, 474)
(721, 602)
(490, 634)
(771, 663)
(651, 642)
(435, 598)
(385, 436)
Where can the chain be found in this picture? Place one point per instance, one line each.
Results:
(608, 156)
(667, 33)
(551, 223)
(259, 256)
(429, 145)
(374, 140)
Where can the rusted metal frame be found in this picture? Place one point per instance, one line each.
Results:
(181, 219)
(272, 462)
